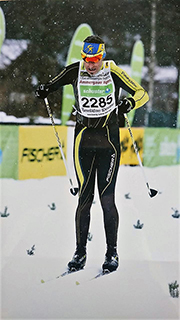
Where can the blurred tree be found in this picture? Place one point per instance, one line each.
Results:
(50, 25)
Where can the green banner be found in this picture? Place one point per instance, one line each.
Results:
(137, 62)
(178, 113)
(9, 151)
(74, 54)
(161, 147)
(2, 28)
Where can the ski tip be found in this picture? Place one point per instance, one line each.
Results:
(153, 193)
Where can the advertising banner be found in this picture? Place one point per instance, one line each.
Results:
(161, 147)
(137, 62)
(32, 152)
(9, 151)
(39, 154)
(128, 155)
(74, 55)
(178, 112)
(2, 28)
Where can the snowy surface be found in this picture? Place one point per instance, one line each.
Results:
(149, 257)
(4, 118)
(11, 50)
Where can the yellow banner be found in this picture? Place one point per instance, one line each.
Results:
(39, 154)
(128, 155)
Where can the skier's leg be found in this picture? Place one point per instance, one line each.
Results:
(108, 165)
(111, 220)
(84, 160)
(83, 214)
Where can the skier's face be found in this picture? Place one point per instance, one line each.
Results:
(93, 67)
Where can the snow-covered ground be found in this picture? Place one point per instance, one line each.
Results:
(149, 257)
(4, 118)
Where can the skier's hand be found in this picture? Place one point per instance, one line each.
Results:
(126, 105)
(42, 91)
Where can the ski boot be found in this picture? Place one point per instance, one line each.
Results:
(78, 261)
(111, 262)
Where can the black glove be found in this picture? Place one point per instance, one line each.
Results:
(42, 91)
(126, 105)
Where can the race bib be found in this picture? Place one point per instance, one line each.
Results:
(96, 93)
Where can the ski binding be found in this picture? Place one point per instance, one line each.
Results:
(102, 273)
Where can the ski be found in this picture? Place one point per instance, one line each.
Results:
(101, 274)
(69, 272)
(51, 279)
(61, 275)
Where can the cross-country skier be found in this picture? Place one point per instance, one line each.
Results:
(96, 83)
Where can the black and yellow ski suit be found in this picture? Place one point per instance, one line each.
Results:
(97, 151)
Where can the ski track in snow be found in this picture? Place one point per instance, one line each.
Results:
(149, 257)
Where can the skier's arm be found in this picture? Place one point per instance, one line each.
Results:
(139, 95)
(67, 76)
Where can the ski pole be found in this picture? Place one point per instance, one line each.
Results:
(152, 192)
(73, 190)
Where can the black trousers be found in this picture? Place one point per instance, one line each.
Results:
(96, 151)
